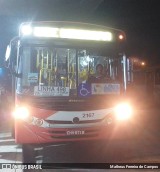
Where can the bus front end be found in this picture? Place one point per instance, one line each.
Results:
(58, 95)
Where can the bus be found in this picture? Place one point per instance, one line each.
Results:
(51, 63)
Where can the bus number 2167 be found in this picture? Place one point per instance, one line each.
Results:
(88, 115)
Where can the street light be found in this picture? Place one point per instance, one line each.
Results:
(143, 63)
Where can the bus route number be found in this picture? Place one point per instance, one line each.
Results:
(61, 90)
(88, 115)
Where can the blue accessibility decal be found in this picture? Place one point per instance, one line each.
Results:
(84, 90)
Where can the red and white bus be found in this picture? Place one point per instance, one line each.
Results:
(54, 102)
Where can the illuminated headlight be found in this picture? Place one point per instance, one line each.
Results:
(123, 111)
(21, 113)
(26, 30)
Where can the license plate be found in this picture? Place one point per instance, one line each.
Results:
(75, 132)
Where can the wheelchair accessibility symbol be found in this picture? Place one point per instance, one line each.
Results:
(84, 90)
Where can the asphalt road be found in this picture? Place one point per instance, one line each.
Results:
(141, 146)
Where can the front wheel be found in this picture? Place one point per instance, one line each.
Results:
(28, 153)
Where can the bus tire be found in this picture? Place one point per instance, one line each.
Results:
(28, 153)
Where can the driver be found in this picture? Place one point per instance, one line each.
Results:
(99, 72)
(99, 76)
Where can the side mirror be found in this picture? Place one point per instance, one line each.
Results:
(11, 58)
(11, 53)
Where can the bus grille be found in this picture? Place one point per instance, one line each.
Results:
(62, 134)
(71, 122)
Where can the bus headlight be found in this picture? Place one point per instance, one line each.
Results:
(21, 113)
(123, 111)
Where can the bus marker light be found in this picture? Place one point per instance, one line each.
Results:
(26, 30)
(121, 37)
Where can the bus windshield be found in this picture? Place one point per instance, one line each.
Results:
(54, 71)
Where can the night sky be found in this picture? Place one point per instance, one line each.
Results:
(140, 19)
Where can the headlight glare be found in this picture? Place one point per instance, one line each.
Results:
(21, 113)
(123, 111)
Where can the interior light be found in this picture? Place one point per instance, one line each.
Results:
(26, 30)
(123, 111)
(84, 63)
